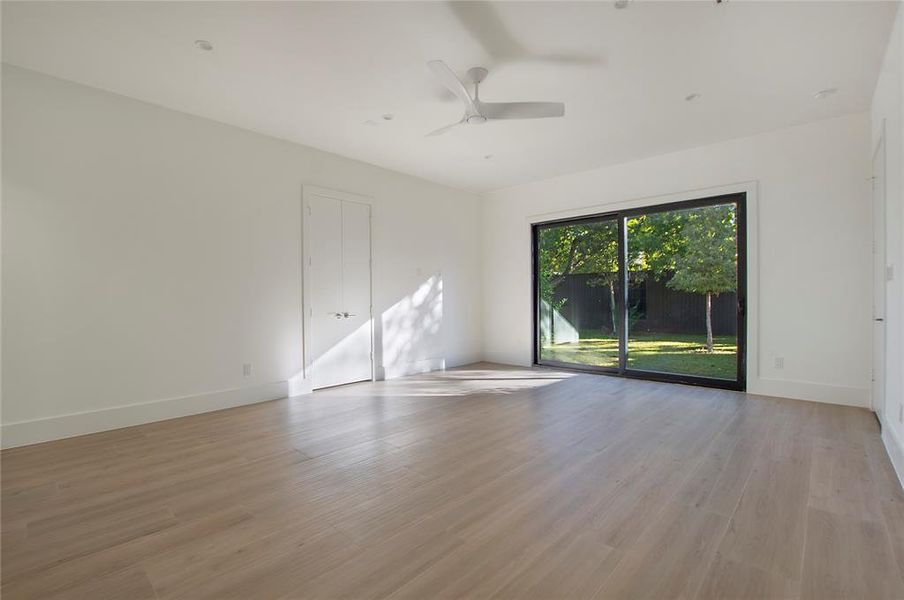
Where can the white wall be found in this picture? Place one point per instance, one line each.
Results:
(888, 108)
(812, 301)
(148, 254)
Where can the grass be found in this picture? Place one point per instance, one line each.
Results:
(664, 352)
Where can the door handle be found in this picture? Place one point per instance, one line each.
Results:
(879, 320)
(347, 315)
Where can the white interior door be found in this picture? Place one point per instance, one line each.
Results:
(340, 281)
(879, 280)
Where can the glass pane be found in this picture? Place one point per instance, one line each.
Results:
(682, 292)
(577, 282)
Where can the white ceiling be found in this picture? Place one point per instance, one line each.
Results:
(316, 73)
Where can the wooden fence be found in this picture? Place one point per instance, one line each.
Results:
(656, 307)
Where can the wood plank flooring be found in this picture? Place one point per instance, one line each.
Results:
(475, 483)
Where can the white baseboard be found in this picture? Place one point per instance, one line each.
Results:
(813, 392)
(781, 388)
(463, 359)
(413, 368)
(24, 433)
(895, 451)
(52, 428)
(507, 358)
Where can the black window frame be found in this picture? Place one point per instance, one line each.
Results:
(739, 199)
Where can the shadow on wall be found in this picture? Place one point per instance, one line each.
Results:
(408, 335)
(554, 328)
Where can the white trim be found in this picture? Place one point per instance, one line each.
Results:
(880, 245)
(414, 368)
(23, 433)
(506, 359)
(751, 190)
(809, 391)
(778, 388)
(315, 190)
(306, 384)
(895, 452)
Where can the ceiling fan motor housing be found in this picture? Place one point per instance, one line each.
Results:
(477, 74)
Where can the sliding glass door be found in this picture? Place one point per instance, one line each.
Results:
(656, 293)
(577, 284)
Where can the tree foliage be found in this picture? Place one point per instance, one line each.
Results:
(590, 248)
(694, 249)
(654, 243)
(707, 262)
(574, 249)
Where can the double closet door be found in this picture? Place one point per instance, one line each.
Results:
(339, 264)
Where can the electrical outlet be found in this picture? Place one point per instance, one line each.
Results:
(246, 369)
(779, 362)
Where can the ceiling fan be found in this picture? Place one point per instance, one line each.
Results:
(477, 112)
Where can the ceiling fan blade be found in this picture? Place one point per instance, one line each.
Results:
(451, 81)
(521, 110)
(443, 130)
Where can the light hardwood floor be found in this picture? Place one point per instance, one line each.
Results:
(479, 482)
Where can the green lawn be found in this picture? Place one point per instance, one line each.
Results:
(665, 352)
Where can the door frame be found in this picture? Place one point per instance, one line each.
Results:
(307, 191)
(741, 199)
(880, 278)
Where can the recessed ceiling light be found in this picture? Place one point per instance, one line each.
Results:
(692, 97)
(823, 94)
(619, 4)
(204, 45)
(387, 117)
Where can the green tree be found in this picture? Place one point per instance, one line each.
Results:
(696, 250)
(585, 248)
(707, 258)
(654, 242)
